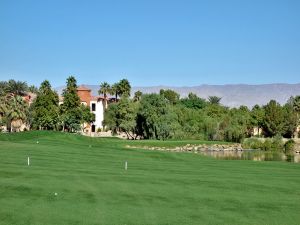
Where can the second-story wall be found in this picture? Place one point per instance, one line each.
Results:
(97, 107)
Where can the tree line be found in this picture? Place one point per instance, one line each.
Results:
(148, 116)
(45, 112)
(165, 116)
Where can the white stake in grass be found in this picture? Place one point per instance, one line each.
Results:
(28, 161)
(125, 165)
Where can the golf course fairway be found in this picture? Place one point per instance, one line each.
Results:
(72, 179)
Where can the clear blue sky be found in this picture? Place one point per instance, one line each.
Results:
(151, 42)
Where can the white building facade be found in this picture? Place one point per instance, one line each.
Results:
(96, 105)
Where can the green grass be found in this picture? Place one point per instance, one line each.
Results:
(158, 187)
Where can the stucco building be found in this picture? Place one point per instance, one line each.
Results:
(97, 106)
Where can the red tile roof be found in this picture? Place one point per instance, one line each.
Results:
(83, 88)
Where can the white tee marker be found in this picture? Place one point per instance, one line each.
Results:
(126, 166)
(28, 161)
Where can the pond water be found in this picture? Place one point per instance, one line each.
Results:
(254, 155)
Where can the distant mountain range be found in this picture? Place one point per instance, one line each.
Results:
(233, 95)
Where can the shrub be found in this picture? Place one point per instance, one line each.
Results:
(289, 146)
(99, 130)
(253, 143)
(269, 144)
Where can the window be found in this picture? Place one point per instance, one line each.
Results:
(93, 107)
(93, 128)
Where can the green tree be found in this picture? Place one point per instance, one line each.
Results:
(257, 117)
(70, 109)
(236, 125)
(111, 117)
(296, 107)
(3, 110)
(295, 103)
(127, 111)
(45, 109)
(105, 89)
(13, 109)
(170, 95)
(3, 88)
(115, 90)
(214, 100)
(137, 96)
(124, 88)
(121, 88)
(33, 89)
(154, 117)
(16, 112)
(121, 116)
(193, 101)
(87, 117)
(16, 87)
(290, 121)
(274, 119)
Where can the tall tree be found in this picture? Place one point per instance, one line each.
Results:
(121, 116)
(45, 109)
(16, 87)
(16, 112)
(155, 117)
(115, 90)
(274, 119)
(3, 111)
(104, 89)
(70, 109)
(124, 88)
(3, 88)
(296, 107)
(33, 89)
(290, 121)
(71, 98)
(257, 117)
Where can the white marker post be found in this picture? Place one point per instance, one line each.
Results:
(125, 165)
(28, 161)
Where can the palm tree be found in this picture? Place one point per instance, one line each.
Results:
(124, 87)
(3, 110)
(16, 111)
(115, 89)
(104, 89)
(137, 96)
(16, 87)
(3, 87)
(215, 100)
(33, 89)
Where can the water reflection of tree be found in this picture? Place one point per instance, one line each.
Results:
(253, 155)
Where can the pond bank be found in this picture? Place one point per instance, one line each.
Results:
(193, 148)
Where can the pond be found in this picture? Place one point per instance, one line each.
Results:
(255, 155)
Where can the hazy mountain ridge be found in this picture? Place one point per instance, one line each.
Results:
(233, 95)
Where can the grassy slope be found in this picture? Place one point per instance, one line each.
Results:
(158, 188)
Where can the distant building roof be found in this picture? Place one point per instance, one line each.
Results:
(83, 88)
(96, 98)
